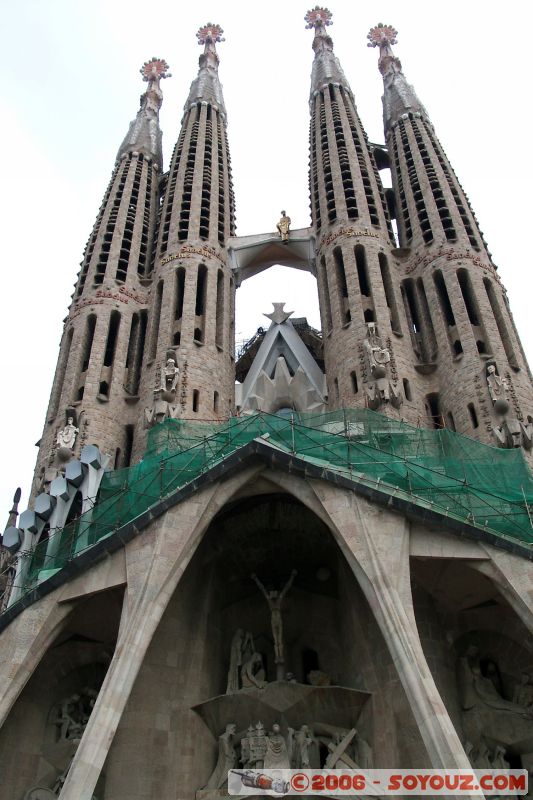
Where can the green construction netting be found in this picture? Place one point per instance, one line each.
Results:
(471, 482)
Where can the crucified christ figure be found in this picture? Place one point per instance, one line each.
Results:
(274, 599)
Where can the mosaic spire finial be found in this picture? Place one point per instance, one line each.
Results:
(155, 70)
(382, 35)
(210, 33)
(318, 17)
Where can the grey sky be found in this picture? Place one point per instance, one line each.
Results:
(71, 85)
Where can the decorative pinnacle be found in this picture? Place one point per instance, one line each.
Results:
(318, 17)
(279, 315)
(155, 69)
(381, 35)
(209, 34)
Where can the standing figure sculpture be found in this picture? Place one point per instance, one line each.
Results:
(283, 227)
(238, 646)
(274, 599)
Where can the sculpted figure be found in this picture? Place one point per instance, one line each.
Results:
(274, 599)
(302, 743)
(238, 646)
(283, 227)
(171, 374)
(66, 437)
(226, 758)
(477, 690)
(498, 389)
(278, 751)
(523, 692)
(253, 673)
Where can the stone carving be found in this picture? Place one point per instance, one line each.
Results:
(66, 436)
(274, 599)
(523, 691)
(380, 388)
(238, 646)
(74, 713)
(302, 742)
(479, 691)
(278, 751)
(166, 382)
(7, 575)
(283, 227)
(254, 746)
(227, 758)
(498, 388)
(338, 757)
(364, 754)
(253, 673)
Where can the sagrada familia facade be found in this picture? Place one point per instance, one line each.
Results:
(316, 553)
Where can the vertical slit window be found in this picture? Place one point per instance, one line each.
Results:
(128, 444)
(362, 270)
(313, 173)
(355, 385)
(501, 324)
(389, 292)
(106, 373)
(430, 340)
(219, 335)
(434, 410)
(60, 376)
(326, 160)
(186, 198)
(135, 352)
(111, 224)
(450, 421)
(171, 189)
(195, 400)
(472, 310)
(323, 277)
(205, 203)
(418, 195)
(444, 299)
(342, 287)
(215, 402)
(156, 319)
(86, 356)
(407, 390)
(473, 415)
(180, 292)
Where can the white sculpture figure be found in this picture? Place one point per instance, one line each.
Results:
(498, 760)
(66, 437)
(171, 374)
(302, 743)
(238, 646)
(278, 751)
(476, 690)
(380, 389)
(274, 599)
(378, 356)
(226, 758)
(498, 388)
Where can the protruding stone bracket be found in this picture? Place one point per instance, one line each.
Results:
(250, 255)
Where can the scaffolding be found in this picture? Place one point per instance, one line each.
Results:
(458, 477)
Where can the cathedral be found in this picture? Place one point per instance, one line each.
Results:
(342, 517)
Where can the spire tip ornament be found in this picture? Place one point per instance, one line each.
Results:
(318, 17)
(209, 34)
(381, 35)
(155, 69)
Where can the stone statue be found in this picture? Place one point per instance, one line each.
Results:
(498, 388)
(476, 690)
(254, 747)
(302, 743)
(283, 227)
(7, 576)
(238, 646)
(363, 752)
(74, 713)
(523, 692)
(380, 389)
(498, 760)
(170, 373)
(253, 673)
(278, 751)
(274, 599)
(66, 437)
(226, 758)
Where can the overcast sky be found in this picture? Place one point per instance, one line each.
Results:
(71, 84)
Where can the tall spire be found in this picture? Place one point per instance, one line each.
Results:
(144, 134)
(326, 66)
(399, 97)
(206, 87)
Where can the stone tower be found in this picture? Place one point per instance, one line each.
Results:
(294, 580)
(193, 294)
(470, 370)
(98, 374)
(366, 358)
